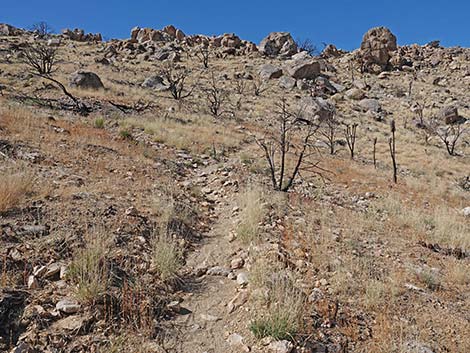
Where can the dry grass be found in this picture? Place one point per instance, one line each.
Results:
(251, 215)
(199, 135)
(441, 225)
(14, 188)
(282, 312)
(89, 269)
(167, 256)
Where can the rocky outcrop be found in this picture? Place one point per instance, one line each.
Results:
(377, 47)
(8, 30)
(79, 35)
(278, 44)
(85, 80)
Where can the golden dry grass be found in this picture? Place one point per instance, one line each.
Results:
(14, 188)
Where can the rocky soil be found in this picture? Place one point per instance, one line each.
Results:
(132, 221)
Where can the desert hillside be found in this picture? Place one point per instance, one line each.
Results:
(195, 194)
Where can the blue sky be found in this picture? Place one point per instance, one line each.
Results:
(341, 22)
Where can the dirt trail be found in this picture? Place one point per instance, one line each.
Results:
(205, 322)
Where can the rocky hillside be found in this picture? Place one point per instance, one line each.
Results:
(188, 193)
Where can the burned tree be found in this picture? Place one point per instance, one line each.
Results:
(307, 46)
(176, 77)
(450, 136)
(42, 61)
(203, 54)
(42, 28)
(259, 86)
(41, 58)
(350, 135)
(216, 97)
(391, 144)
(328, 129)
(290, 143)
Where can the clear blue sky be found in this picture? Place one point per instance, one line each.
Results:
(341, 22)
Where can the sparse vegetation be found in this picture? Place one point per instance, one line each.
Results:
(251, 215)
(15, 186)
(90, 269)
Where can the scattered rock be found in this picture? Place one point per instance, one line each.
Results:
(207, 317)
(303, 69)
(237, 263)
(86, 80)
(240, 299)
(281, 347)
(236, 340)
(155, 82)
(318, 107)
(218, 271)
(242, 279)
(466, 212)
(269, 72)
(68, 306)
(449, 114)
(33, 282)
(370, 104)
(355, 94)
(287, 82)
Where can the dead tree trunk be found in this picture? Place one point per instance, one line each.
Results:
(391, 144)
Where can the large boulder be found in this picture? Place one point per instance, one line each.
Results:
(278, 44)
(449, 114)
(268, 72)
(230, 40)
(377, 47)
(303, 69)
(85, 80)
(8, 30)
(317, 108)
(155, 82)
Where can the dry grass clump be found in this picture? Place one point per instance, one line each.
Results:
(89, 269)
(283, 309)
(252, 213)
(14, 188)
(167, 256)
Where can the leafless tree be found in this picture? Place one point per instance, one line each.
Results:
(328, 129)
(307, 46)
(392, 146)
(42, 60)
(450, 136)
(350, 135)
(240, 85)
(176, 77)
(40, 57)
(216, 97)
(203, 54)
(418, 109)
(291, 142)
(42, 28)
(259, 86)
